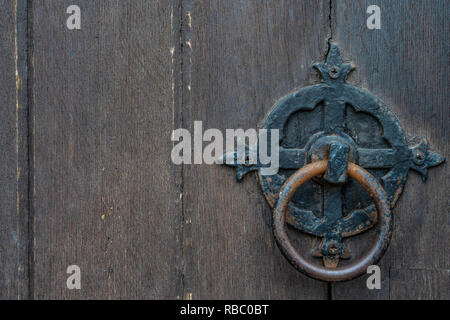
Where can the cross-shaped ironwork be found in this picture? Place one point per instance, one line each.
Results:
(335, 94)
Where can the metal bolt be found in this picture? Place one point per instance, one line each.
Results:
(334, 72)
(419, 158)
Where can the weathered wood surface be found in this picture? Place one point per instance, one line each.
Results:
(106, 196)
(406, 65)
(240, 57)
(85, 166)
(13, 152)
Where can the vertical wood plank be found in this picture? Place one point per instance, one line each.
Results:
(13, 151)
(106, 193)
(420, 284)
(406, 65)
(239, 58)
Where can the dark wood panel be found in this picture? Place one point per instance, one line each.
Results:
(13, 151)
(406, 65)
(106, 192)
(239, 58)
(421, 284)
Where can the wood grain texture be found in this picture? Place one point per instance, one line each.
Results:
(420, 284)
(88, 138)
(13, 152)
(239, 58)
(406, 65)
(106, 194)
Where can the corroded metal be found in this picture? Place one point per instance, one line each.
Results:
(338, 145)
(332, 246)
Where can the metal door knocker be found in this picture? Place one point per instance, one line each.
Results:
(331, 135)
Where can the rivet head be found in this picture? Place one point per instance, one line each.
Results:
(334, 72)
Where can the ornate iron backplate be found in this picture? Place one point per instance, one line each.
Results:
(340, 123)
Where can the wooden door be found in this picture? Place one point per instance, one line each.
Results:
(87, 115)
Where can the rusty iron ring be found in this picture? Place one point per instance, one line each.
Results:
(384, 223)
